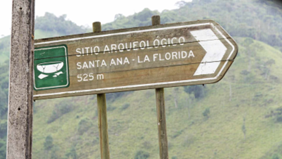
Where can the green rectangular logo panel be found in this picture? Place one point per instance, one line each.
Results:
(51, 67)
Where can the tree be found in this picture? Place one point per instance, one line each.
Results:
(206, 113)
(141, 155)
(48, 144)
(72, 153)
(198, 91)
(2, 148)
(49, 22)
(275, 156)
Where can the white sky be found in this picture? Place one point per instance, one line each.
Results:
(84, 12)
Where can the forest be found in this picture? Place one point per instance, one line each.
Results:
(238, 117)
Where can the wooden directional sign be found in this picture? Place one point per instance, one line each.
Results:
(169, 55)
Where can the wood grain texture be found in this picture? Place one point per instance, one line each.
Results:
(96, 27)
(19, 139)
(103, 126)
(156, 20)
(102, 120)
(151, 57)
(160, 103)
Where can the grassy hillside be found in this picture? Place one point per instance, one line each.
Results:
(239, 117)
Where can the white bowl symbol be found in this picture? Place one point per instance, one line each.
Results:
(50, 67)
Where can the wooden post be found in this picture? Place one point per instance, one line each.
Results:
(163, 144)
(20, 110)
(102, 111)
(161, 123)
(97, 27)
(156, 20)
(103, 126)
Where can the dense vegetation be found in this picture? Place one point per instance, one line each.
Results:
(239, 117)
(260, 20)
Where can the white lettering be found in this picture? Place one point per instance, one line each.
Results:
(134, 45)
(96, 50)
(148, 45)
(85, 77)
(97, 63)
(126, 61)
(100, 76)
(78, 51)
(139, 60)
(154, 43)
(91, 63)
(78, 65)
(144, 45)
(160, 57)
(92, 77)
(174, 55)
(113, 62)
(183, 54)
(87, 50)
(103, 63)
(82, 52)
(191, 54)
(106, 49)
(146, 59)
(113, 48)
(119, 61)
(128, 48)
(120, 47)
(167, 56)
(163, 42)
(79, 76)
(172, 43)
(181, 40)
(91, 51)
(155, 56)
(84, 65)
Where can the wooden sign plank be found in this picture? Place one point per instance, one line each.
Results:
(169, 55)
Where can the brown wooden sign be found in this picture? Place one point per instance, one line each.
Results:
(169, 55)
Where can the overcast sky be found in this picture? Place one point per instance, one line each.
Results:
(84, 12)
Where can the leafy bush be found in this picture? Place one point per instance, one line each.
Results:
(141, 155)
(176, 134)
(125, 106)
(188, 140)
(279, 119)
(198, 91)
(206, 112)
(60, 109)
(114, 96)
(48, 144)
(84, 125)
(275, 156)
(248, 41)
(244, 72)
(110, 108)
(147, 145)
(72, 153)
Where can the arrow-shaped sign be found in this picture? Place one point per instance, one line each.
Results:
(169, 55)
(214, 48)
